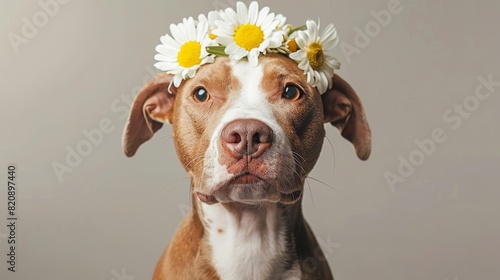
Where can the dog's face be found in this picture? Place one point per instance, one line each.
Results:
(247, 133)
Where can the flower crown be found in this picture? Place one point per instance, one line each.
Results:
(247, 32)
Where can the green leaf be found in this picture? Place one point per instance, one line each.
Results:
(217, 50)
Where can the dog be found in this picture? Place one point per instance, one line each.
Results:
(248, 136)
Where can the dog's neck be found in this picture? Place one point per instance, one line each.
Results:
(251, 241)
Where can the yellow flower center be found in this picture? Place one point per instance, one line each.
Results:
(189, 55)
(292, 45)
(249, 36)
(212, 36)
(315, 55)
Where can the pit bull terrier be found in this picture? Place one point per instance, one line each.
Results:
(248, 136)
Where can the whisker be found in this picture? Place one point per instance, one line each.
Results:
(333, 152)
(176, 182)
(193, 160)
(166, 138)
(292, 169)
(310, 192)
(331, 187)
(299, 164)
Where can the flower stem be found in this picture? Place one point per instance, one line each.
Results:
(302, 27)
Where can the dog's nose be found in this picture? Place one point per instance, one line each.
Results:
(246, 137)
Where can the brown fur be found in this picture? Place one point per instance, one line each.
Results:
(188, 255)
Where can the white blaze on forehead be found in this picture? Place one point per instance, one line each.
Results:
(251, 103)
(252, 100)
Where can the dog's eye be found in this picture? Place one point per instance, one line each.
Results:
(292, 93)
(201, 95)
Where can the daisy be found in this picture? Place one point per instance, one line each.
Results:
(185, 51)
(212, 17)
(312, 54)
(248, 31)
(284, 29)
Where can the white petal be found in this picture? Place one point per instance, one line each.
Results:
(312, 29)
(329, 30)
(332, 62)
(190, 29)
(166, 66)
(253, 57)
(239, 54)
(176, 71)
(164, 58)
(167, 49)
(225, 40)
(177, 80)
(223, 29)
(242, 11)
(212, 17)
(200, 31)
(160, 65)
(262, 15)
(177, 33)
(329, 45)
(322, 82)
(253, 12)
(268, 22)
(184, 73)
(263, 46)
(202, 18)
(230, 16)
(169, 41)
(298, 55)
(191, 72)
(232, 48)
(310, 78)
(304, 65)
(302, 39)
(330, 81)
(277, 36)
(208, 59)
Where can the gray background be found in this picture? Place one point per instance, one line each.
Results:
(111, 217)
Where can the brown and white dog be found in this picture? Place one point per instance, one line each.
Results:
(248, 136)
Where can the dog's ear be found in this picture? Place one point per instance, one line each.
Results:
(152, 107)
(342, 108)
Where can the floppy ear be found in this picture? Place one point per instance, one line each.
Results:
(152, 107)
(342, 108)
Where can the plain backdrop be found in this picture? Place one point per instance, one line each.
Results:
(110, 217)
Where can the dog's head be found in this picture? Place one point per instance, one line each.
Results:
(247, 133)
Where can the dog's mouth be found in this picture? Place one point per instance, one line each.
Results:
(248, 188)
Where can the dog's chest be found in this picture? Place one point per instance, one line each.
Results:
(249, 244)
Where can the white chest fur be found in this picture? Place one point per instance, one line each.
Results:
(247, 244)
